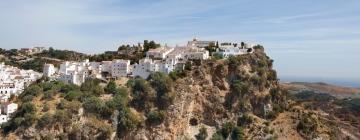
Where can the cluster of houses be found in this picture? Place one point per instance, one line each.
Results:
(33, 50)
(13, 81)
(163, 59)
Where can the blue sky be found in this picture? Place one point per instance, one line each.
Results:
(308, 39)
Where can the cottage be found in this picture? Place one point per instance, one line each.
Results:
(9, 108)
(120, 68)
(159, 53)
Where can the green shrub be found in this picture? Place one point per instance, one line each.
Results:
(30, 118)
(93, 105)
(155, 117)
(28, 107)
(142, 93)
(202, 135)
(226, 129)
(62, 116)
(217, 136)
(73, 95)
(45, 120)
(127, 121)
(111, 87)
(237, 134)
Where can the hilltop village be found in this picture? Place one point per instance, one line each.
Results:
(163, 59)
(13, 81)
(202, 90)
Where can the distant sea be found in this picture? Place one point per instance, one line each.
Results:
(338, 82)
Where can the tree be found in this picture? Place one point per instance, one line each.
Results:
(62, 116)
(217, 136)
(111, 87)
(211, 48)
(27, 107)
(155, 117)
(163, 85)
(142, 93)
(45, 120)
(127, 121)
(73, 95)
(202, 135)
(150, 45)
(237, 134)
(226, 129)
(242, 44)
(188, 65)
(93, 105)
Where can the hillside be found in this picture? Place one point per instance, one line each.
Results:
(339, 106)
(235, 98)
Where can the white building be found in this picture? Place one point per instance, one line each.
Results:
(14, 80)
(106, 66)
(49, 70)
(74, 72)
(159, 53)
(4, 98)
(232, 50)
(120, 68)
(3, 119)
(9, 108)
(78, 72)
(200, 44)
(145, 67)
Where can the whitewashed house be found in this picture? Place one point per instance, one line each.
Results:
(106, 66)
(120, 68)
(9, 108)
(49, 70)
(4, 98)
(159, 53)
(232, 50)
(145, 67)
(3, 118)
(14, 80)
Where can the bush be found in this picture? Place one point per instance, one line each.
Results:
(45, 120)
(73, 95)
(245, 119)
(163, 86)
(226, 129)
(62, 116)
(127, 121)
(33, 90)
(307, 126)
(48, 95)
(27, 107)
(93, 105)
(69, 87)
(202, 135)
(30, 118)
(217, 136)
(188, 65)
(237, 133)
(111, 87)
(45, 107)
(155, 117)
(174, 75)
(142, 93)
(259, 47)
(239, 87)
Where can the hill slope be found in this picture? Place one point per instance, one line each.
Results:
(236, 98)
